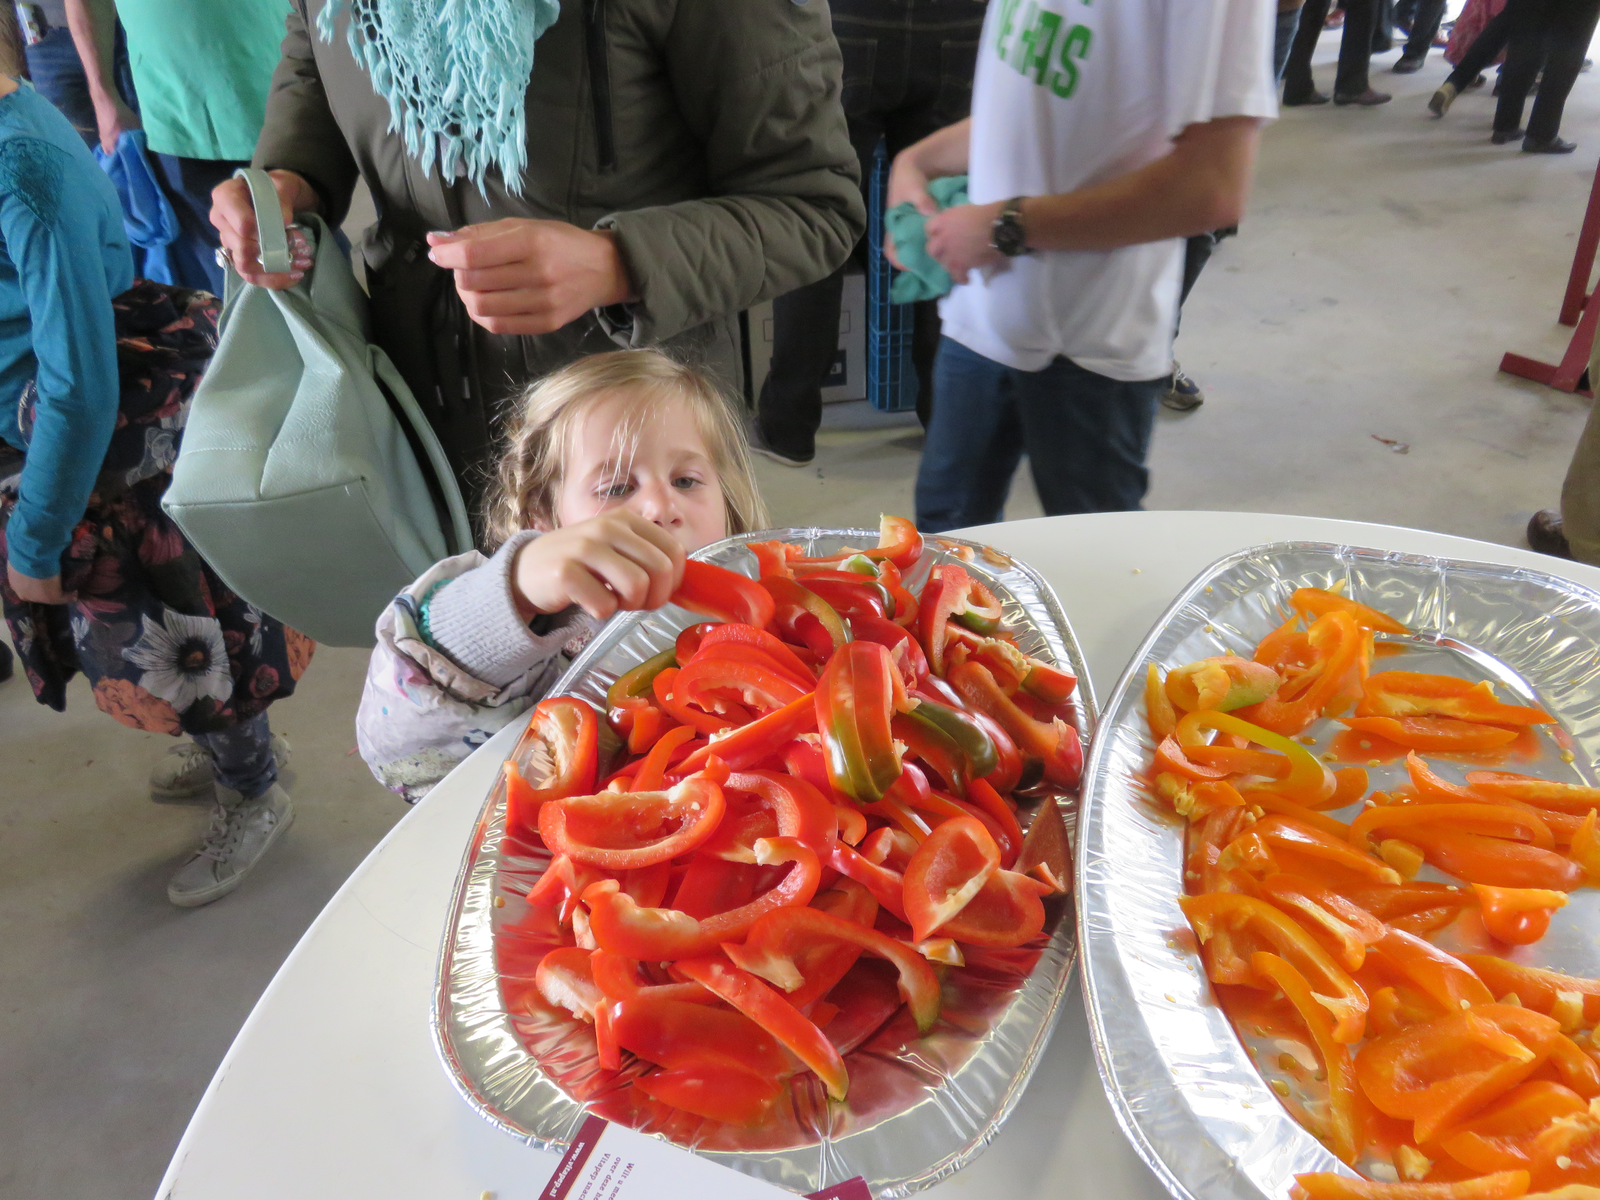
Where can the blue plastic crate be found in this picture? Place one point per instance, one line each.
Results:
(891, 376)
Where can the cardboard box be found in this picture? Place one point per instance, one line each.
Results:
(848, 380)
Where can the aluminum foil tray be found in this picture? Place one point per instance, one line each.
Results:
(919, 1108)
(1194, 1105)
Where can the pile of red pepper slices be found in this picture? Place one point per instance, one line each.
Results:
(1460, 1076)
(786, 827)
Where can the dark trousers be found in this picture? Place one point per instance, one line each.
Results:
(1487, 45)
(907, 73)
(188, 183)
(1085, 436)
(1282, 39)
(1563, 29)
(1355, 49)
(1425, 20)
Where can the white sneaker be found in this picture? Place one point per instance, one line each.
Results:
(241, 832)
(185, 774)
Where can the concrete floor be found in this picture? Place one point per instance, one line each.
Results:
(1386, 263)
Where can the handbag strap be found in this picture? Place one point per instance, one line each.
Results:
(270, 231)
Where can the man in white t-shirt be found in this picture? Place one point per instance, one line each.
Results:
(1101, 135)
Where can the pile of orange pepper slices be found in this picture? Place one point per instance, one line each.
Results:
(1465, 1077)
(786, 828)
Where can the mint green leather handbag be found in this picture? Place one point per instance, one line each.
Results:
(308, 477)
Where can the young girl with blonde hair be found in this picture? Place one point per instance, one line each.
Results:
(615, 469)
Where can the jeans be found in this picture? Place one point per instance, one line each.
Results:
(907, 72)
(188, 183)
(58, 76)
(1355, 50)
(243, 756)
(1563, 27)
(1085, 436)
(1282, 39)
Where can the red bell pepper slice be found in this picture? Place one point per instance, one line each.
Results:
(760, 739)
(565, 979)
(1318, 602)
(663, 686)
(887, 887)
(690, 638)
(735, 1097)
(1501, 1136)
(743, 654)
(717, 684)
(903, 648)
(947, 871)
(569, 733)
(640, 721)
(826, 962)
(1504, 1185)
(850, 595)
(774, 943)
(679, 1035)
(1056, 744)
(889, 847)
(982, 794)
(772, 558)
(956, 744)
(561, 885)
(899, 542)
(652, 775)
(801, 811)
(905, 604)
(1439, 1072)
(1413, 694)
(1434, 733)
(1345, 1133)
(749, 635)
(803, 617)
(617, 978)
(723, 595)
(623, 830)
(636, 681)
(1518, 916)
(1007, 911)
(855, 704)
(943, 596)
(665, 934)
(774, 1014)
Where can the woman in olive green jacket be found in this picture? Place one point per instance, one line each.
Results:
(684, 160)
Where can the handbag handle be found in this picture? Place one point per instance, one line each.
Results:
(270, 231)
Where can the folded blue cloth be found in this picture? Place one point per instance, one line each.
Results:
(924, 278)
(146, 212)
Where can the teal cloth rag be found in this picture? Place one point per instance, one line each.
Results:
(454, 73)
(924, 277)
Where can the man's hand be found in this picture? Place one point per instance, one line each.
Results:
(938, 154)
(520, 276)
(618, 560)
(235, 220)
(38, 591)
(961, 238)
(114, 118)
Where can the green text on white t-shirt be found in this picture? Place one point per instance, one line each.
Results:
(1029, 44)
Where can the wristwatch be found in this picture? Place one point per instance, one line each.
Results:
(1007, 234)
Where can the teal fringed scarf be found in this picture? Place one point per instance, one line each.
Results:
(454, 73)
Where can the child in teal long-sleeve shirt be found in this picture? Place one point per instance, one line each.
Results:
(96, 373)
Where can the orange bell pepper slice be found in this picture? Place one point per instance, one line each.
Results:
(1413, 694)
(1302, 839)
(1493, 860)
(1534, 987)
(1490, 820)
(1340, 647)
(1507, 786)
(1158, 709)
(1567, 1152)
(1268, 802)
(1318, 602)
(1172, 757)
(1415, 907)
(1234, 921)
(1222, 683)
(1345, 928)
(1571, 1064)
(1434, 733)
(1585, 848)
(1501, 1136)
(1442, 977)
(1344, 1101)
(1503, 1185)
(1308, 782)
(1237, 760)
(1203, 871)
(1440, 1072)
(1517, 916)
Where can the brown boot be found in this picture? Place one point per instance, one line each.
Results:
(1545, 535)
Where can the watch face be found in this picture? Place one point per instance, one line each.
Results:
(1008, 236)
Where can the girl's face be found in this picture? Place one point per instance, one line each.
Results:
(656, 465)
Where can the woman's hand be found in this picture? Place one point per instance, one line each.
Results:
(616, 561)
(960, 238)
(235, 220)
(38, 591)
(520, 276)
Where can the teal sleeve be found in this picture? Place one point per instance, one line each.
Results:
(52, 234)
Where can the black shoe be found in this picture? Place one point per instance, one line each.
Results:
(1500, 139)
(1367, 99)
(789, 458)
(1554, 146)
(1302, 101)
(1546, 535)
(1407, 66)
(5, 662)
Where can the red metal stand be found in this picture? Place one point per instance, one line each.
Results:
(1576, 309)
